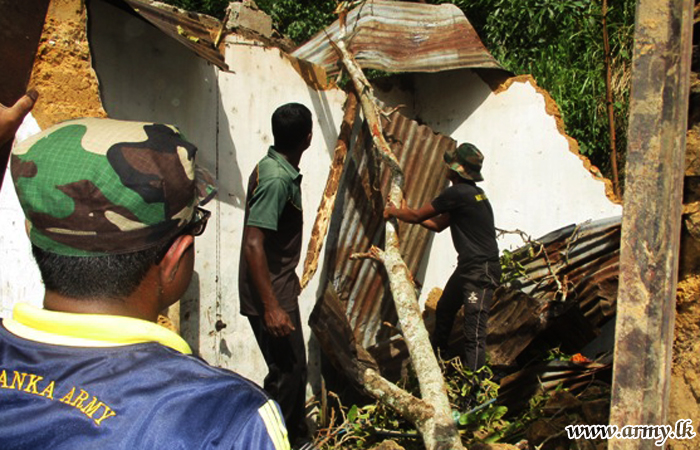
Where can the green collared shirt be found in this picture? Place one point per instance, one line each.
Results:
(273, 204)
(277, 184)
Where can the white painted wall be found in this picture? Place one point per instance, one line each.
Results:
(535, 183)
(260, 80)
(227, 115)
(19, 276)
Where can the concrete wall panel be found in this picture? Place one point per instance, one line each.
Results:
(535, 182)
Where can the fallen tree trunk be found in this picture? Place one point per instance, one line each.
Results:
(437, 426)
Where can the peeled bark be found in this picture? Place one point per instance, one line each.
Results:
(325, 208)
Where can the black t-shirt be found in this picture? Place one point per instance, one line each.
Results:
(471, 222)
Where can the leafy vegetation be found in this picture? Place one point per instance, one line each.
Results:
(216, 8)
(472, 396)
(299, 19)
(477, 413)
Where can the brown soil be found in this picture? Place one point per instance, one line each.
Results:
(685, 380)
(62, 73)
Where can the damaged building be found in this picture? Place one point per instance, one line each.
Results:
(156, 63)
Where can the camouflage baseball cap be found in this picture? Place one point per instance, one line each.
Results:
(91, 187)
(466, 160)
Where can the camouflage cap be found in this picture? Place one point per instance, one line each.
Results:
(466, 160)
(91, 187)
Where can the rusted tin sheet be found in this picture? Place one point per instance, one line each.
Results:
(584, 258)
(194, 31)
(578, 264)
(546, 378)
(358, 223)
(402, 37)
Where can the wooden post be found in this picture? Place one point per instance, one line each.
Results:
(652, 217)
(21, 24)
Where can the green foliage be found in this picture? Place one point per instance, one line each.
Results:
(475, 411)
(299, 19)
(510, 268)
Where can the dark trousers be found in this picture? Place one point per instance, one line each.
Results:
(286, 378)
(471, 287)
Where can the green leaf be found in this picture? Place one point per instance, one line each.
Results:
(352, 414)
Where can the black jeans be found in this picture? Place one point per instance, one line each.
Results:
(286, 378)
(472, 287)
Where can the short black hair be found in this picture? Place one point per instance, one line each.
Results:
(291, 124)
(82, 277)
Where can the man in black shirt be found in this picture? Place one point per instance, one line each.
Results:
(465, 209)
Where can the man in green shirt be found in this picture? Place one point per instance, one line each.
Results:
(267, 281)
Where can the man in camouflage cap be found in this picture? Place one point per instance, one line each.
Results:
(112, 209)
(465, 208)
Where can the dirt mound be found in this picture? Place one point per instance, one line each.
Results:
(685, 381)
(63, 73)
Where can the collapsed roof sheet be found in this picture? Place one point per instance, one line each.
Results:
(192, 30)
(402, 37)
(359, 224)
(566, 287)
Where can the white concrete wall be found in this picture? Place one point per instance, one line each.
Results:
(533, 180)
(260, 80)
(19, 276)
(148, 76)
(227, 114)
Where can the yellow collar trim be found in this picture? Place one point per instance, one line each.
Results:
(88, 330)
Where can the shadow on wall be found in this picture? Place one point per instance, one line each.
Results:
(445, 100)
(229, 176)
(322, 113)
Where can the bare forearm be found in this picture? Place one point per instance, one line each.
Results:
(431, 225)
(408, 215)
(256, 259)
(277, 321)
(426, 215)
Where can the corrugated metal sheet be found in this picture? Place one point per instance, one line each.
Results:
(546, 378)
(358, 223)
(403, 37)
(584, 258)
(193, 30)
(578, 264)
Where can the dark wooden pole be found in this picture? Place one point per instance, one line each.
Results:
(652, 216)
(21, 23)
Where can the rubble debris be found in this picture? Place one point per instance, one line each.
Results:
(247, 15)
(563, 284)
(545, 378)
